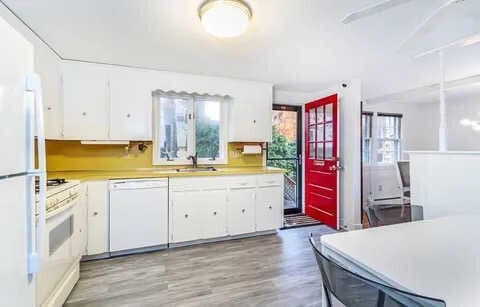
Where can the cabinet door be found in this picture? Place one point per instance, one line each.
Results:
(130, 105)
(214, 219)
(186, 216)
(268, 208)
(97, 218)
(85, 102)
(251, 118)
(241, 211)
(79, 242)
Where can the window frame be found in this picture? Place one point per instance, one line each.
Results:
(369, 138)
(191, 138)
(378, 139)
(375, 140)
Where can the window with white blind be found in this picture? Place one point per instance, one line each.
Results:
(367, 137)
(381, 137)
(185, 125)
(388, 137)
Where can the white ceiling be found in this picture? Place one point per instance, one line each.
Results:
(299, 45)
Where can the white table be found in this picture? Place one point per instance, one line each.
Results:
(438, 258)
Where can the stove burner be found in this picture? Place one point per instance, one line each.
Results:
(56, 181)
(50, 183)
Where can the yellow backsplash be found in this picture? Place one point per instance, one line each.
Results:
(73, 156)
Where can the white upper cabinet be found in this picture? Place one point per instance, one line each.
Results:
(85, 102)
(102, 102)
(130, 105)
(251, 121)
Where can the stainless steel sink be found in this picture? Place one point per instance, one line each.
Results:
(197, 169)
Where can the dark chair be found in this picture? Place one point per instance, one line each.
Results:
(353, 290)
(388, 214)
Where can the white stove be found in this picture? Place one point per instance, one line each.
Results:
(59, 261)
(60, 193)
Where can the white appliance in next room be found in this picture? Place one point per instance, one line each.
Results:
(138, 215)
(21, 119)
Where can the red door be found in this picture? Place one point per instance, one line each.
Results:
(321, 160)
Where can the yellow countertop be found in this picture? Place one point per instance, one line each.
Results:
(158, 173)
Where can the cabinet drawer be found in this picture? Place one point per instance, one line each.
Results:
(198, 183)
(270, 180)
(239, 182)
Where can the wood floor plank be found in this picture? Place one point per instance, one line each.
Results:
(271, 270)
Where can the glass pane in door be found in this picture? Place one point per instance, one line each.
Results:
(319, 114)
(284, 135)
(283, 151)
(311, 150)
(328, 112)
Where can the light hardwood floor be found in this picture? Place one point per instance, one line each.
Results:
(272, 270)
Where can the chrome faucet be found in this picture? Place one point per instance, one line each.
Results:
(194, 159)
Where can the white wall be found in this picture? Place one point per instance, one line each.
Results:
(46, 64)
(445, 183)
(419, 125)
(459, 107)
(420, 132)
(350, 101)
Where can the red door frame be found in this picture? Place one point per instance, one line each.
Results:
(321, 160)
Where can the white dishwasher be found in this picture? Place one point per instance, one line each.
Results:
(138, 215)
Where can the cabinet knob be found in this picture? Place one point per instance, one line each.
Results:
(49, 108)
(129, 115)
(84, 113)
(215, 213)
(254, 121)
(270, 207)
(95, 213)
(186, 215)
(243, 210)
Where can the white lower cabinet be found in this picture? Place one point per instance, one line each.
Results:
(215, 207)
(241, 211)
(98, 216)
(200, 208)
(185, 220)
(80, 224)
(268, 208)
(214, 214)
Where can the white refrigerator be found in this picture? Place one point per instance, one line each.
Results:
(22, 143)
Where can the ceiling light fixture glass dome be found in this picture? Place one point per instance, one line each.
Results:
(225, 18)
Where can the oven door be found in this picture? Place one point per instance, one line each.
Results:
(57, 256)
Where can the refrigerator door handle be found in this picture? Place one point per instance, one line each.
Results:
(33, 85)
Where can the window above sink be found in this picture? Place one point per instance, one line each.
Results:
(187, 124)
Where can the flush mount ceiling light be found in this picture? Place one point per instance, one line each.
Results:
(225, 18)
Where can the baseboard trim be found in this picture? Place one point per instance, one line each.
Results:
(221, 239)
(139, 250)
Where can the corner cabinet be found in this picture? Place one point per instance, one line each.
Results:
(203, 208)
(85, 102)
